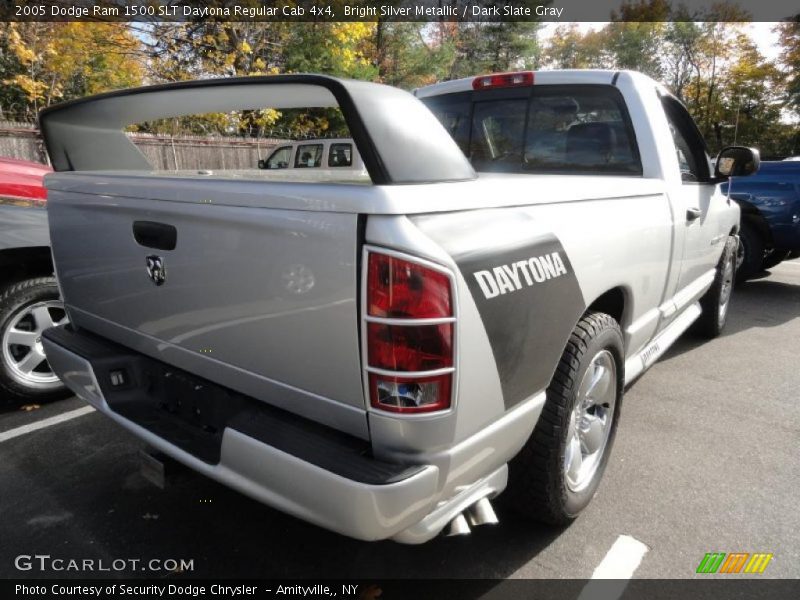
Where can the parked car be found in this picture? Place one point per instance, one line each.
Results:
(770, 203)
(29, 298)
(472, 331)
(333, 153)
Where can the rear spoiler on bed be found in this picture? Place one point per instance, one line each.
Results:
(400, 140)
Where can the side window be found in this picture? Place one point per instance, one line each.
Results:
(340, 155)
(280, 158)
(689, 145)
(308, 155)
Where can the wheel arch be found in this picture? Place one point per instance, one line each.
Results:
(21, 263)
(756, 218)
(615, 302)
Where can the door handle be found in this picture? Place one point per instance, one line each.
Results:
(692, 214)
(159, 236)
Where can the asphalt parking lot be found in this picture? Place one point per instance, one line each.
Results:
(706, 460)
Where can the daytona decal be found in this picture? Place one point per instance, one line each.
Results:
(510, 278)
(524, 288)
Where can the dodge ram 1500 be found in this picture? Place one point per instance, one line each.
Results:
(383, 355)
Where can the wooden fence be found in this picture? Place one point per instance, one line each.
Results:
(22, 140)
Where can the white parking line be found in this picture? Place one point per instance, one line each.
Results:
(619, 564)
(622, 559)
(67, 416)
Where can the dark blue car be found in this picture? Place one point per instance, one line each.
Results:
(770, 203)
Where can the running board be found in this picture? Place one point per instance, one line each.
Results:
(639, 363)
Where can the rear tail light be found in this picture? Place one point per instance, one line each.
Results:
(409, 331)
(503, 80)
(402, 289)
(410, 394)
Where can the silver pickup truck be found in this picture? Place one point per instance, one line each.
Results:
(384, 355)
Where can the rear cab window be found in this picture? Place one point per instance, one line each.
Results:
(545, 129)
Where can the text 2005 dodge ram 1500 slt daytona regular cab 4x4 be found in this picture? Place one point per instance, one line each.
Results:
(382, 355)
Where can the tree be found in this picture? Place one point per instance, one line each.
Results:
(568, 48)
(410, 55)
(490, 46)
(49, 62)
(790, 59)
(636, 36)
(205, 49)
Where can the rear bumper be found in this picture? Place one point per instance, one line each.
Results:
(322, 478)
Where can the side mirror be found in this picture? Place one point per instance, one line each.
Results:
(262, 164)
(736, 161)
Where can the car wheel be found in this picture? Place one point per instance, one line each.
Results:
(774, 258)
(27, 308)
(750, 255)
(556, 474)
(717, 299)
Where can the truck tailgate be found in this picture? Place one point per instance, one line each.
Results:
(258, 299)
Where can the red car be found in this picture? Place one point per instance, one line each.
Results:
(22, 179)
(29, 297)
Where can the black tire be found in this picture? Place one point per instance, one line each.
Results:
(750, 256)
(15, 300)
(539, 487)
(716, 301)
(774, 258)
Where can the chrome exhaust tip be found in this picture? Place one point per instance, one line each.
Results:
(458, 526)
(482, 513)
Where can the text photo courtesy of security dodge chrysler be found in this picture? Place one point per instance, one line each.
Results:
(384, 352)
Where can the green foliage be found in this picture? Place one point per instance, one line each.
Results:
(42, 63)
(706, 60)
(790, 59)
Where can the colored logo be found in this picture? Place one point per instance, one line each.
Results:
(735, 562)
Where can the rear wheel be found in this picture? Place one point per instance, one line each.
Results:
(27, 308)
(557, 472)
(717, 299)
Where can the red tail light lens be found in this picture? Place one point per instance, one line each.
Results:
(404, 348)
(410, 355)
(503, 80)
(402, 289)
(410, 394)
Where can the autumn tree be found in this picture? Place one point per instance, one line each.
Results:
(205, 48)
(410, 55)
(50, 62)
(569, 48)
(789, 33)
